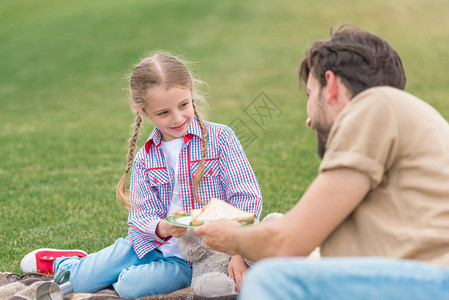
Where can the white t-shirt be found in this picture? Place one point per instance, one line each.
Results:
(172, 150)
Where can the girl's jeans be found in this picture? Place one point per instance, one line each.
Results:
(345, 278)
(131, 276)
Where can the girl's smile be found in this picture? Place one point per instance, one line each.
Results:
(180, 127)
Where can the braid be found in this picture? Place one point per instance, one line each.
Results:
(132, 142)
(122, 192)
(200, 171)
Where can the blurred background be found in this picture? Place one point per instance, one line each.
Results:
(65, 118)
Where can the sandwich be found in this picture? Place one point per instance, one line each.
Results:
(217, 209)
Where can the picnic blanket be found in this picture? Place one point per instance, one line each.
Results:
(23, 287)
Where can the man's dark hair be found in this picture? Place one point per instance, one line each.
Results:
(360, 58)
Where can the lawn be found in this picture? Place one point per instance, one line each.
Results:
(64, 109)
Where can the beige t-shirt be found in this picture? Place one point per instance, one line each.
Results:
(402, 144)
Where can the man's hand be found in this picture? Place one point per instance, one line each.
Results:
(236, 269)
(219, 235)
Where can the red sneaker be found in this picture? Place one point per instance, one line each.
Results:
(41, 260)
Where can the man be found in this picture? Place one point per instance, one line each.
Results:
(381, 200)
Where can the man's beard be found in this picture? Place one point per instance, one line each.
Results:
(322, 135)
(322, 129)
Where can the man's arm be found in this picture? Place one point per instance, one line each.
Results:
(332, 196)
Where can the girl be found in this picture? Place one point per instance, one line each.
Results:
(183, 164)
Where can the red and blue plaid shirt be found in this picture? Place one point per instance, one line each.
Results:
(227, 176)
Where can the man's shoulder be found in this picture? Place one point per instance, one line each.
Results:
(385, 95)
(374, 102)
(384, 100)
(380, 93)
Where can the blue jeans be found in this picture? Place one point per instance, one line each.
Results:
(345, 278)
(131, 276)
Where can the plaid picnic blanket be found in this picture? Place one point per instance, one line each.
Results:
(23, 287)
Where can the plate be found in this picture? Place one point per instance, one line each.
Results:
(184, 221)
(180, 220)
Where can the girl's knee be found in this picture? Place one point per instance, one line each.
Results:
(145, 280)
(127, 285)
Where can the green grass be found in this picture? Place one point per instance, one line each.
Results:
(64, 111)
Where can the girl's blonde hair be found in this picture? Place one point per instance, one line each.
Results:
(165, 71)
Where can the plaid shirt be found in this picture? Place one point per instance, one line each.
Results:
(227, 176)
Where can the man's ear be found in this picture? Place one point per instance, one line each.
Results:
(337, 93)
(332, 87)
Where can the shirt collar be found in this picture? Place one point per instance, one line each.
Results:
(155, 137)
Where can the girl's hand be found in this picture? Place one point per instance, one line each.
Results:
(178, 212)
(236, 269)
(177, 231)
(164, 230)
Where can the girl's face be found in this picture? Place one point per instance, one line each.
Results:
(170, 110)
